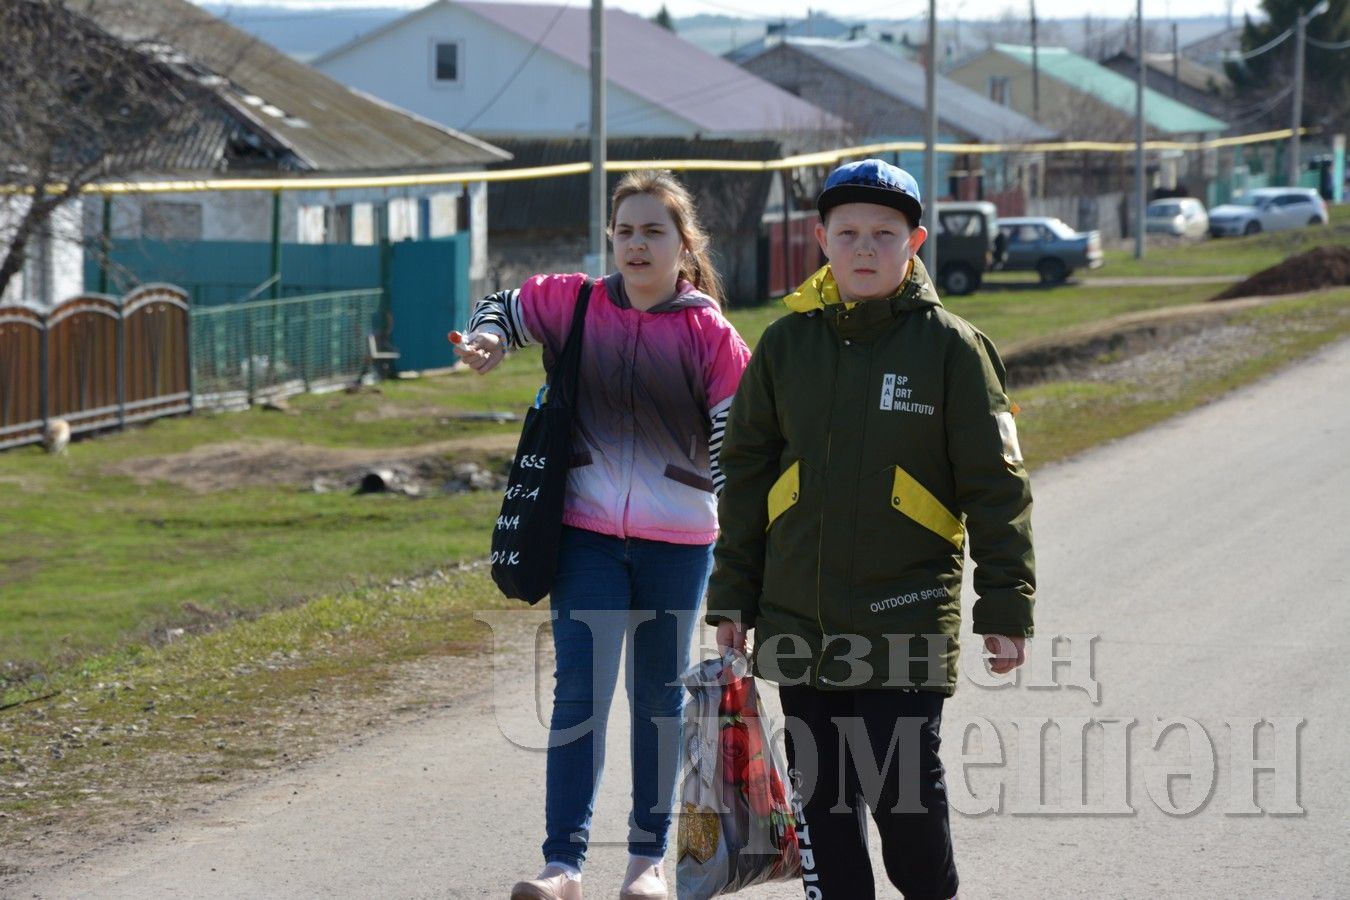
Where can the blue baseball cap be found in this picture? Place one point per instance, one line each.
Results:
(872, 181)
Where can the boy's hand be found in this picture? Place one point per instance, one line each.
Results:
(482, 350)
(1006, 652)
(730, 635)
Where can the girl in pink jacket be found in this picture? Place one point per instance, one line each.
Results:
(659, 366)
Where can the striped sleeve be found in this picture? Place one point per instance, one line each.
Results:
(501, 312)
(718, 414)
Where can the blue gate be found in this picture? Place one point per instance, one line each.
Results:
(426, 282)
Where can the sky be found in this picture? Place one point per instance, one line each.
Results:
(864, 9)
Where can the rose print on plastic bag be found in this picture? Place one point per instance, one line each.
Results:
(737, 826)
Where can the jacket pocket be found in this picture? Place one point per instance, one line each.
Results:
(784, 493)
(912, 499)
(691, 479)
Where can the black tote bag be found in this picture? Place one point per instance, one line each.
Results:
(525, 538)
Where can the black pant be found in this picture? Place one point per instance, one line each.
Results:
(851, 750)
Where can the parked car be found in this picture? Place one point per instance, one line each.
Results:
(1180, 216)
(1048, 247)
(1269, 209)
(967, 237)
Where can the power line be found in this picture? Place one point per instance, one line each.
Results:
(1264, 108)
(1343, 45)
(638, 113)
(1270, 45)
(520, 68)
(734, 9)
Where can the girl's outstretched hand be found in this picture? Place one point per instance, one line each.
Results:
(481, 350)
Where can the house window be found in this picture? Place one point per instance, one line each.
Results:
(998, 89)
(168, 221)
(337, 224)
(445, 62)
(403, 219)
(309, 225)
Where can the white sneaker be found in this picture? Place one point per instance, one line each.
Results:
(644, 881)
(552, 884)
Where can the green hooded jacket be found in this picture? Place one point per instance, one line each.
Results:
(867, 443)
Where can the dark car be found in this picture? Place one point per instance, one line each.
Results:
(967, 244)
(1048, 247)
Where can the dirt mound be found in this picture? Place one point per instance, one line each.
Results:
(1321, 267)
(276, 463)
(1077, 352)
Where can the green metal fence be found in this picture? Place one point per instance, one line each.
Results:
(274, 347)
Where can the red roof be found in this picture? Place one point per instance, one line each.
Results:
(716, 96)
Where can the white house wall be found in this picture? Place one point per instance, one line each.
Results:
(224, 216)
(247, 216)
(548, 98)
(53, 268)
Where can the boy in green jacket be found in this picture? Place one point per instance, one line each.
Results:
(869, 437)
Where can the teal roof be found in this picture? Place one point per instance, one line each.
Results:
(1161, 112)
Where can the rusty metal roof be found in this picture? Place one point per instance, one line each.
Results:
(282, 113)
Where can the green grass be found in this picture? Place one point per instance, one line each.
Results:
(1238, 256)
(119, 733)
(1060, 419)
(1009, 316)
(1012, 316)
(1226, 256)
(89, 559)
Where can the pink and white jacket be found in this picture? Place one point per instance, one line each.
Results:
(655, 390)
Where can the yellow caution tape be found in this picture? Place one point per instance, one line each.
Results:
(822, 158)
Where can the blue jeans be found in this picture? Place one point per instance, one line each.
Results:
(610, 592)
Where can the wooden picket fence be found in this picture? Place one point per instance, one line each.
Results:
(95, 361)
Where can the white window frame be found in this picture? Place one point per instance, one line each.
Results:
(440, 83)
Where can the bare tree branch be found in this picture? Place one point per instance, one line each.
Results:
(79, 105)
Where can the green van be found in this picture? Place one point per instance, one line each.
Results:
(967, 244)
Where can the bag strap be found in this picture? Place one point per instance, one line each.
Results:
(567, 370)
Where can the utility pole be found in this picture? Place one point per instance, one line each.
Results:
(1140, 201)
(1296, 125)
(1176, 64)
(595, 260)
(930, 188)
(1035, 68)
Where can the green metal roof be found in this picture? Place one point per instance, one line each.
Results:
(1161, 112)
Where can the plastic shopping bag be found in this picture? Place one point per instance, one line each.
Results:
(737, 826)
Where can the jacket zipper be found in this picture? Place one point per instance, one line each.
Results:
(630, 365)
(820, 539)
(820, 549)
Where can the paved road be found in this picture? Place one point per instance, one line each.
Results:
(1208, 554)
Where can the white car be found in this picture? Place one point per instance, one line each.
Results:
(1180, 216)
(1268, 209)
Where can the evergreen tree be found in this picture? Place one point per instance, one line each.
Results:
(663, 18)
(1326, 74)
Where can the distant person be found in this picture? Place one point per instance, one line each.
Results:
(871, 434)
(660, 364)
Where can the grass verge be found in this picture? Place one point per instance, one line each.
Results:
(1173, 258)
(106, 745)
(1060, 419)
(93, 557)
(1227, 256)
